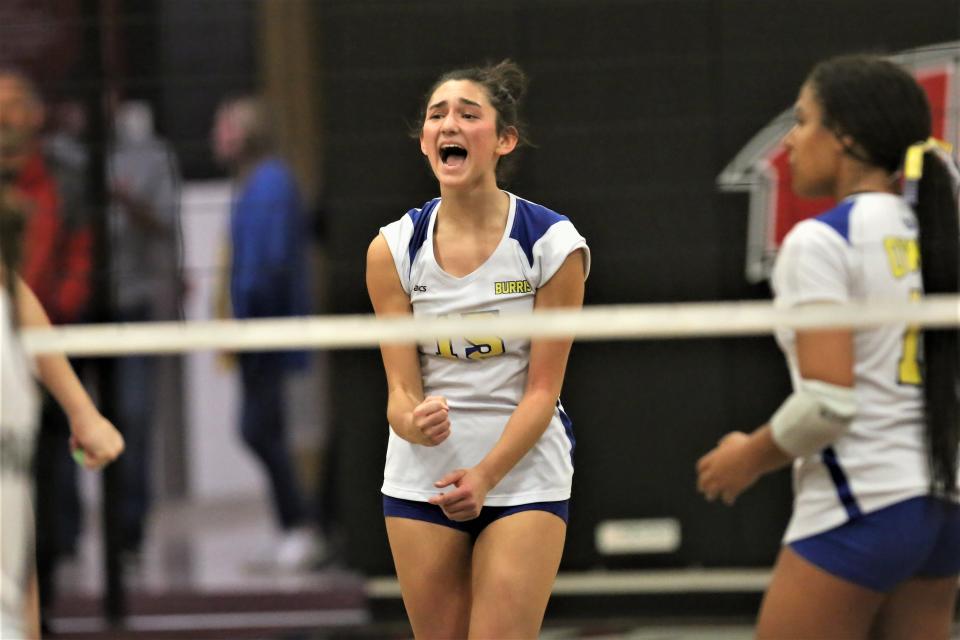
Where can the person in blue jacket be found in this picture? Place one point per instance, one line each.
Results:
(268, 278)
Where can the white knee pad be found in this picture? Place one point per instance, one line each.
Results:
(813, 417)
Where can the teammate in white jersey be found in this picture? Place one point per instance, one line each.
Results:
(92, 435)
(479, 460)
(873, 427)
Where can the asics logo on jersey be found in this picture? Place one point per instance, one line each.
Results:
(420, 288)
(511, 286)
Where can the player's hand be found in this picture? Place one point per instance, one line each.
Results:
(431, 421)
(465, 500)
(727, 471)
(96, 438)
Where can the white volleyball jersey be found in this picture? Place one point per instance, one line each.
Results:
(864, 249)
(482, 377)
(19, 414)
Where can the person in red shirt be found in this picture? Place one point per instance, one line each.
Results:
(57, 242)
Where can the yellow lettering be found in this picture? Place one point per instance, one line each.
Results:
(511, 286)
(903, 255)
(908, 369)
(445, 348)
(477, 348)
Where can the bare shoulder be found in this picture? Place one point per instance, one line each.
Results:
(378, 251)
(383, 283)
(379, 259)
(566, 287)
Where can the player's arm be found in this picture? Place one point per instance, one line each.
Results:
(414, 418)
(809, 420)
(548, 363)
(31, 605)
(826, 355)
(91, 432)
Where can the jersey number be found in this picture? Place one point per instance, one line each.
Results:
(903, 257)
(908, 369)
(477, 348)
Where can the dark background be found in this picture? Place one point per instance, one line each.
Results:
(635, 107)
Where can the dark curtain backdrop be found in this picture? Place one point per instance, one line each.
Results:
(635, 108)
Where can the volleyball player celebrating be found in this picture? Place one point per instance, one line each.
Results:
(872, 427)
(479, 460)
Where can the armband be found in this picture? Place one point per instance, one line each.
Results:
(812, 417)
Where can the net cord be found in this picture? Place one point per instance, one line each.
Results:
(615, 322)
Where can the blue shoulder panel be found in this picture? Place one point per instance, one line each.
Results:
(421, 224)
(838, 218)
(530, 222)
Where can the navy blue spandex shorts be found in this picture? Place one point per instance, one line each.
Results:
(415, 510)
(916, 538)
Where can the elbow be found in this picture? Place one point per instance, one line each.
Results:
(815, 416)
(545, 390)
(400, 415)
(395, 420)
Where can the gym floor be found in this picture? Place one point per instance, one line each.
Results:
(197, 579)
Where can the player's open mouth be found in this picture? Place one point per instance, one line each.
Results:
(452, 155)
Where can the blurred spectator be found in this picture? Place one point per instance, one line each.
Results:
(57, 259)
(56, 265)
(268, 278)
(67, 156)
(144, 184)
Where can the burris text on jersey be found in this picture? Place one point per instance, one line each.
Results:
(511, 286)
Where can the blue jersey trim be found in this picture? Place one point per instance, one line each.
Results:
(530, 222)
(417, 510)
(841, 483)
(567, 428)
(421, 225)
(838, 218)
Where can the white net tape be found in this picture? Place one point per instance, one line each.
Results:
(620, 322)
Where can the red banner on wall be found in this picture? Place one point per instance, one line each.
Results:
(762, 169)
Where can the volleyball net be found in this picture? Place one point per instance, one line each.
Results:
(600, 322)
